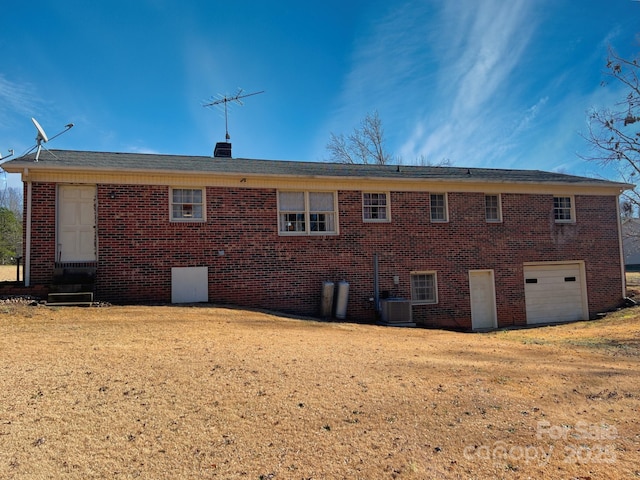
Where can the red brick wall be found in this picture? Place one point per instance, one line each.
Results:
(251, 265)
(43, 232)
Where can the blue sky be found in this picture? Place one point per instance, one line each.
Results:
(491, 83)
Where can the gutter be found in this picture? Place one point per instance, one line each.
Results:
(284, 170)
(203, 178)
(622, 265)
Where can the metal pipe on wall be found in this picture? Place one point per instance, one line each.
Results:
(376, 286)
(27, 247)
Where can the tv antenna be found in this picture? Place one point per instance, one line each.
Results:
(41, 137)
(225, 100)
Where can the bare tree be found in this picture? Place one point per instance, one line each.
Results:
(423, 161)
(364, 145)
(10, 224)
(11, 198)
(614, 133)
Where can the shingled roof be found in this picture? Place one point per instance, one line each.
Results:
(146, 162)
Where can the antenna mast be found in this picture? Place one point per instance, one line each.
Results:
(225, 100)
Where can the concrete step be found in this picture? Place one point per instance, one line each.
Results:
(70, 299)
(397, 324)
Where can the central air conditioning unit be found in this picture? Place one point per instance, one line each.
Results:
(396, 312)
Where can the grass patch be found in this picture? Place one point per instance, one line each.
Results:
(206, 392)
(633, 279)
(8, 273)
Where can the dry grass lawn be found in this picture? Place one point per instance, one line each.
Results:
(8, 273)
(633, 279)
(206, 392)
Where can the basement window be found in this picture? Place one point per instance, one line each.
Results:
(187, 205)
(424, 288)
(307, 213)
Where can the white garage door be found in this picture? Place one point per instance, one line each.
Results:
(555, 293)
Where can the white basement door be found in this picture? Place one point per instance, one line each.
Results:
(555, 293)
(483, 299)
(189, 284)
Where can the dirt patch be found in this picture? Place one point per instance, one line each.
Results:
(206, 392)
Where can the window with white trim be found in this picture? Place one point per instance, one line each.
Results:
(563, 211)
(187, 204)
(438, 207)
(375, 207)
(492, 208)
(424, 288)
(307, 213)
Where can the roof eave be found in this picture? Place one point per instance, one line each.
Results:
(20, 166)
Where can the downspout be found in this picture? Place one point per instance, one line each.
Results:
(376, 287)
(621, 250)
(27, 241)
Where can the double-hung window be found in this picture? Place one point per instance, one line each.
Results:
(187, 204)
(424, 287)
(492, 208)
(563, 211)
(307, 213)
(438, 207)
(375, 207)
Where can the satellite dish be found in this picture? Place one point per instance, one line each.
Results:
(42, 137)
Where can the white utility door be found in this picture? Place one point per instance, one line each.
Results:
(555, 293)
(76, 223)
(483, 299)
(189, 284)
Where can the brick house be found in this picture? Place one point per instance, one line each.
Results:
(466, 248)
(631, 243)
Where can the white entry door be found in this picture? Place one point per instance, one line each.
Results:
(483, 299)
(76, 223)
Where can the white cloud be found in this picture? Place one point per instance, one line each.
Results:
(528, 117)
(16, 100)
(490, 83)
(481, 49)
(437, 73)
(141, 149)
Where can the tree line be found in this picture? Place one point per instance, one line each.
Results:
(10, 225)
